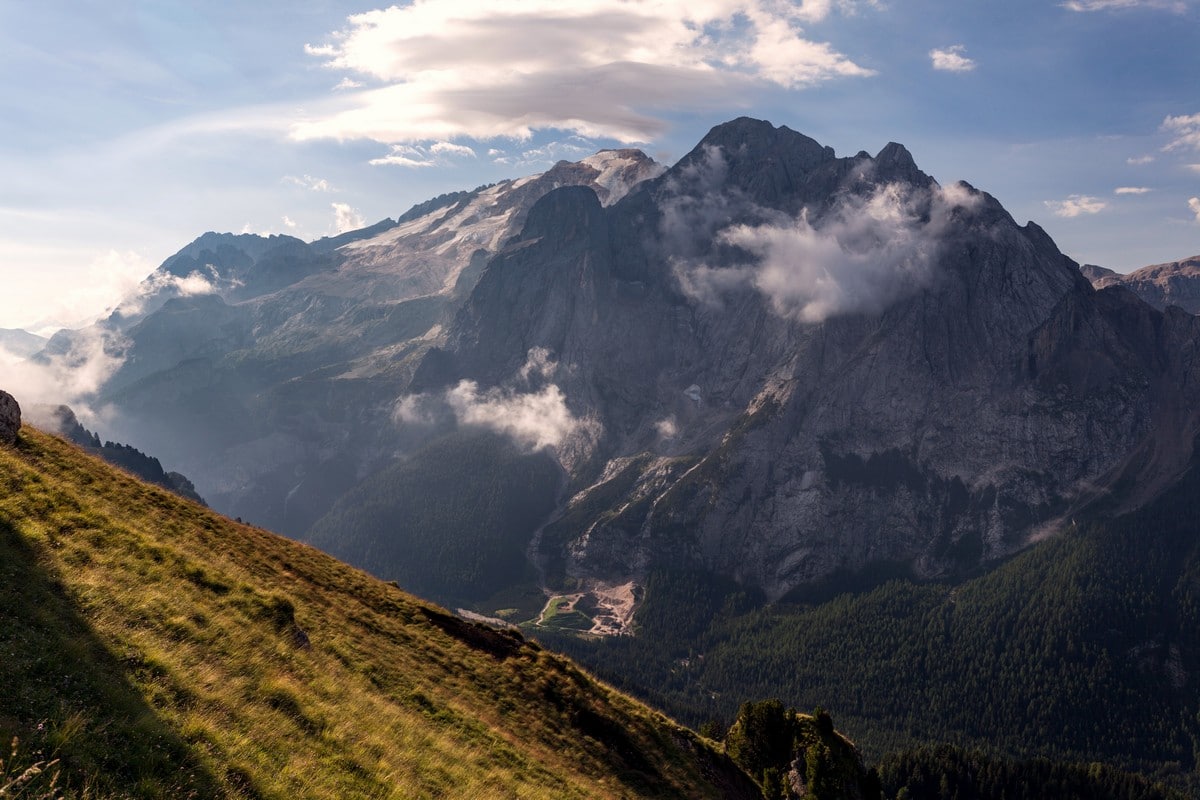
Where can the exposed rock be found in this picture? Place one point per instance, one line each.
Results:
(10, 418)
(1176, 283)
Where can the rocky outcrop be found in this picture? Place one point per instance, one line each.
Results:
(10, 418)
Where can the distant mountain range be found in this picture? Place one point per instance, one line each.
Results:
(19, 342)
(1176, 283)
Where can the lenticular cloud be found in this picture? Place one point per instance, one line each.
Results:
(443, 70)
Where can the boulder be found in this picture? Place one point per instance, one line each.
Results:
(10, 418)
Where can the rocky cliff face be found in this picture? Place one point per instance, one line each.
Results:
(841, 363)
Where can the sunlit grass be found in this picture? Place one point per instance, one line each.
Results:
(164, 650)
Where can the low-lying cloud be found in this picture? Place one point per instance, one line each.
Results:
(160, 286)
(70, 378)
(529, 409)
(860, 257)
(536, 420)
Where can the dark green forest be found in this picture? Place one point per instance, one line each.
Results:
(1083, 649)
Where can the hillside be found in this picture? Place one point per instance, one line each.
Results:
(156, 649)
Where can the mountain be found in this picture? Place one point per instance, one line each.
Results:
(779, 364)
(266, 368)
(155, 649)
(17, 342)
(1176, 283)
(766, 362)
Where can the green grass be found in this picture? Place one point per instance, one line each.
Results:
(156, 649)
(557, 615)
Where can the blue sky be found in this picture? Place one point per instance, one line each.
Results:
(132, 127)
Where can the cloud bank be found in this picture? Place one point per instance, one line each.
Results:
(1194, 205)
(860, 257)
(72, 377)
(529, 409)
(437, 71)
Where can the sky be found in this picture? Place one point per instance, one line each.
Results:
(130, 128)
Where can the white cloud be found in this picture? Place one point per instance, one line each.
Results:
(1110, 5)
(309, 182)
(536, 420)
(159, 287)
(1132, 190)
(863, 255)
(345, 83)
(529, 409)
(403, 155)
(1194, 205)
(1138, 161)
(468, 68)
(112, 278)
(346, 218)
(451, 149)
(70, 378)
(288, 222)
(1076, 205)
(1185, 131)
(418, 156)
(1193, 167)
(667, 428)
(952, 59)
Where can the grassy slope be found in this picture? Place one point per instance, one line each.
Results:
(158, 649)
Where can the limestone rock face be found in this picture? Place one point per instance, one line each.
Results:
(10, 418)
(961, 392)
